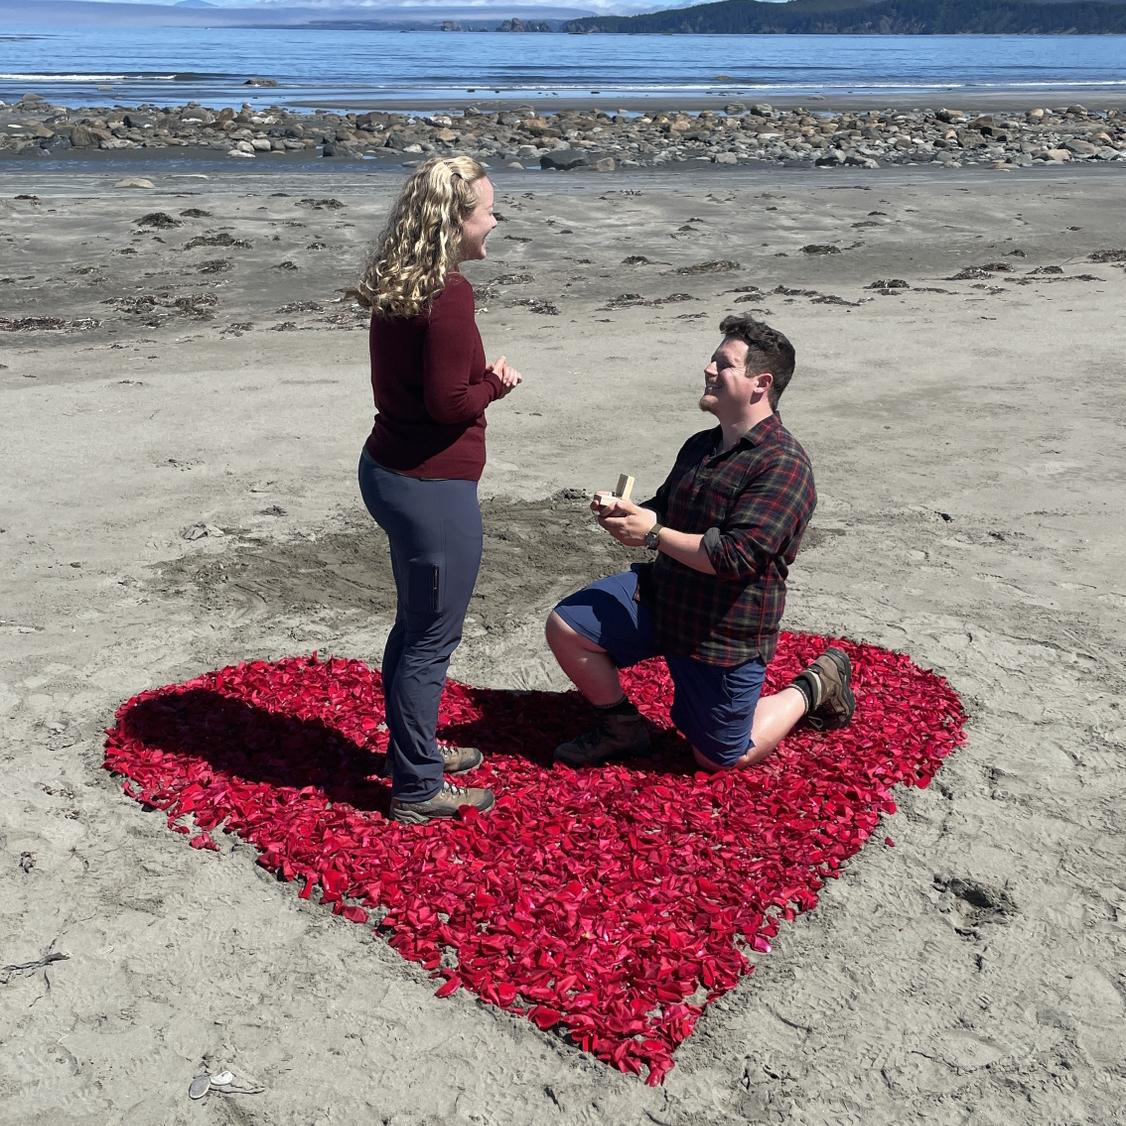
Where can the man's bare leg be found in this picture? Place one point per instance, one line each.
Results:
(590, 669)
(619, 729)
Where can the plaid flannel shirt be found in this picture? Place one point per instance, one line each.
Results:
(751, 504)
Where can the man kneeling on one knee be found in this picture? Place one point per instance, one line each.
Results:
(726, 526)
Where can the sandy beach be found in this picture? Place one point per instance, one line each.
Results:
(184, 386)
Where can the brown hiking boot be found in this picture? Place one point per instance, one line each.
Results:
(829, 679)
(457, 760)
(445, 803)
(613, 736)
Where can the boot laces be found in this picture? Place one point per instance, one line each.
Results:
(595, 735)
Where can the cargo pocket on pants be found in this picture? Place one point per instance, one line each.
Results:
(424, 590)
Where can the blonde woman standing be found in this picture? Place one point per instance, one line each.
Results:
(420, 466)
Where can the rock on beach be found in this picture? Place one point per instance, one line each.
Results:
(587, 139)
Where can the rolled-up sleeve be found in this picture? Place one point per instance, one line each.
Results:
(766, 516)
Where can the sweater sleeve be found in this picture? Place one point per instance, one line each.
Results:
(450, 353)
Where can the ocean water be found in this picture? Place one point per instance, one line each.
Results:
(367, 68)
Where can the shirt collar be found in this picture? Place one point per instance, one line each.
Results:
(758, 433)
(763, 430)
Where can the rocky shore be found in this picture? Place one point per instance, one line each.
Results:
(592, 139)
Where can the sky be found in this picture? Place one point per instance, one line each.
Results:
(398, 8)
(376, 5)
(619, 6)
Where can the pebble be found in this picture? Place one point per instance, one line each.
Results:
(585, 139)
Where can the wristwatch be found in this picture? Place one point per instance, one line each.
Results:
(653, 537)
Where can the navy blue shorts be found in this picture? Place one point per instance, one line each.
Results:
(713, 707)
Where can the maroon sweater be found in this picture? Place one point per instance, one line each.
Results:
(431, 389)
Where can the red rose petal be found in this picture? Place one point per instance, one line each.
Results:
(546, 1018)
(448, 987)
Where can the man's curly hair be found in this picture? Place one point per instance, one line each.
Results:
(767, 350)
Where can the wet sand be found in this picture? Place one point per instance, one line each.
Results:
(971, 99)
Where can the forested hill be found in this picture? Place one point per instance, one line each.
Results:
(876, 17)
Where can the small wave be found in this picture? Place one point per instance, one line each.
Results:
(1062, 84)
(134, 76)
(1014, 84)
(62, 77)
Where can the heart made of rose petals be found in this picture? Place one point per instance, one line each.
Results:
(609, 904)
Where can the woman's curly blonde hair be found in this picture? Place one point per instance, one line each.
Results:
(422, 240)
